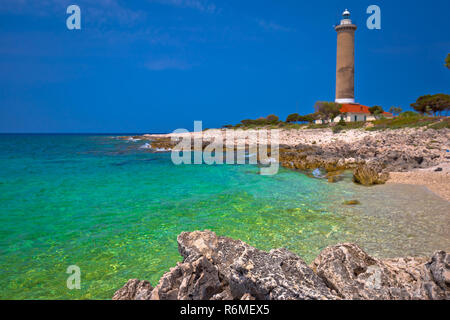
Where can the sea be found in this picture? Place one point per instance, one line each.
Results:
(113, 208)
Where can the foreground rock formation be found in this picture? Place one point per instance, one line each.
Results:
(220, 268)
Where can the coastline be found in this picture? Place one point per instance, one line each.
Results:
(414, 156)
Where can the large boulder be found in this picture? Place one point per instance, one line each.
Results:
(352, 274)
(368, 175)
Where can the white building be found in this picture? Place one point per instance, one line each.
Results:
(353, 112)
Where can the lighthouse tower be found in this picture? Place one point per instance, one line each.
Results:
(345, 63)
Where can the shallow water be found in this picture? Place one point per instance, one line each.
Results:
(114, 210)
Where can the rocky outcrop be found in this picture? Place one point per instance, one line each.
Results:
(385, 151)
(353, 274)
(198, 279)
(220, 268)
(237, 270)
(368, 175)
(134, 289)
(351, 203)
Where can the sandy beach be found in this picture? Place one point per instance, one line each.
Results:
(436, 181)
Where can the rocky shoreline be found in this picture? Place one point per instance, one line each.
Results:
(372, 156)
(220, 268)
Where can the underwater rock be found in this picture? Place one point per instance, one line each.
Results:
(351, 203)
(333, 179)
(334, 176)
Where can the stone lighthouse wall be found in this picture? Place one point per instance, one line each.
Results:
(345, 64)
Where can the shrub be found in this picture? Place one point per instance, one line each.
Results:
(432, 104)
(409, 114)
(395, 110)
(308, 118)
(411, 121)
(377, 111)
(272, 119)
(445, 123)
(293, 118)
(260, 121)
(337, 128)
(246, 122)
(327, 110)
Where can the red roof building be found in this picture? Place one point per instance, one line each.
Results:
(354, 112)
(359, 108)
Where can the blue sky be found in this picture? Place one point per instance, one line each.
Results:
(158, 65)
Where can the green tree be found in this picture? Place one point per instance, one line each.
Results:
(247, 122)
(272, 119)
(376, 111)
(261, 121)
(432, 104)
(307, 118)
(440, 103)
(310, 118)
(327, 111)
(293, 118)
(421, 104)
(395, 110)
(447, 61)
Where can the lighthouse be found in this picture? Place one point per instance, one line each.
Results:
(345, 76)
(345, 62)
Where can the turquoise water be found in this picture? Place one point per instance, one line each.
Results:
(115, 210)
